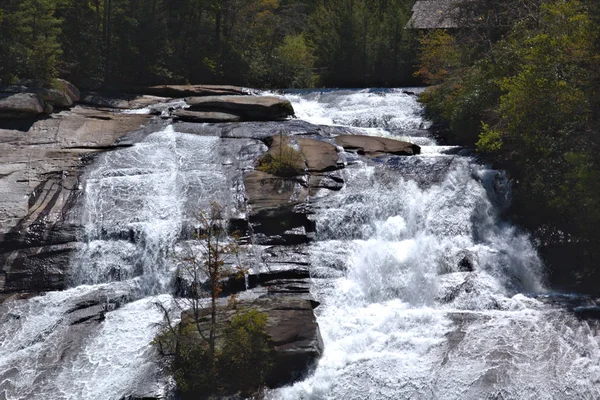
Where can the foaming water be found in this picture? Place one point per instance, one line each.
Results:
(93, 341)
(382, 110)
(424, 289)
(137, 203)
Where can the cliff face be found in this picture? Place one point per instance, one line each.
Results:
(40, 162)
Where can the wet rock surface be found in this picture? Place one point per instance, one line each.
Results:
(376, 146)
(41, 164)
(248, 108)
(39, 182)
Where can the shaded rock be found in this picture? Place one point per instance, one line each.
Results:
(273, 209)
(295, 335)
(205, 116)
(264, 191)
(180, 91)
(236, 283)
(466, 264)
(372, 146)
(54, 97)
(331, 181)
(587, 312)
(93, 309)
(71, 90)
(251, 108)
(21, 105)
(288, 287)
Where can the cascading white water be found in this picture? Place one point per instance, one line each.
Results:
(137, 202)
(423, 289)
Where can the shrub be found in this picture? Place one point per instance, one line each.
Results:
(239, 363)
(246, 354)
(282, 161)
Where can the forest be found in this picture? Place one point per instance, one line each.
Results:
(520, 84)
(259, 43)
(517, 80)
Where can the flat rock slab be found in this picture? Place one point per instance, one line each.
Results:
(120, 101)
(205, 116)
(372, 146)
(21, 105)
(249, 108)
(179, 91)
(320, 156)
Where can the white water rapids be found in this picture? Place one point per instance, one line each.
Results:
(400, 316)
(425, 292)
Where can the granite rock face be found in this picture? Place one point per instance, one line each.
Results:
(39, 169)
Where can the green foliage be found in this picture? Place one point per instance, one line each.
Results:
(240, 363)
(490, 140)
(263, 43)
(282, 160)
(29, 45)
(528, 97)
(293, 63)
(363, 43)
(439, 56)
(246, 354)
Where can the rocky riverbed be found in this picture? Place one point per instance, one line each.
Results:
(51, 161)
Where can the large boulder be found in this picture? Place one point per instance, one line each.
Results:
(373, 146)
(69, 89)
(249, 108)
(180, 91)
(54, 96)
(21, 105)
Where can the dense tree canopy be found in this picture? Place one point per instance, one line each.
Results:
(264, 43)
(524, 90)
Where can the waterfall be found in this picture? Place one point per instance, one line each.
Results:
(426, 293)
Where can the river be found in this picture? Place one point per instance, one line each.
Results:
(426, 291)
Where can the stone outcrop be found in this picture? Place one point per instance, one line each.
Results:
(54, 97)
(180, 91)
(119, 101)
(248, 108)
(21, 105)
(373, 146)
(69, 89)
